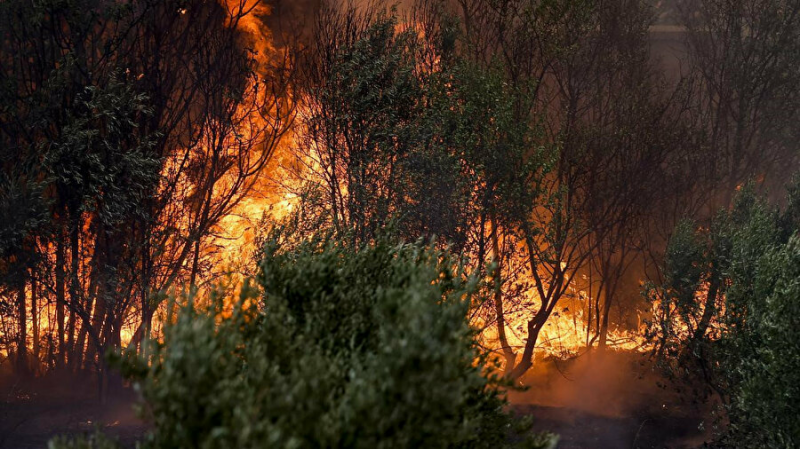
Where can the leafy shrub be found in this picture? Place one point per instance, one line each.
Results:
(332, 347)
(729, 315)
(97, 440)
(762, 352)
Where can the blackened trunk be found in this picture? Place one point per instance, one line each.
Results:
(35, 322)
(74, 294)
(526, 361)
(708, 311)
(60, 360)
(508, 352)
(608, 297)
(195, 264)
(81, 342)
(22, 341)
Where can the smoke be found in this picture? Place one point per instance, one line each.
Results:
(612, 399)
(292, 19)
(604, 383)
(288, 9)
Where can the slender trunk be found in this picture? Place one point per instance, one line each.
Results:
(508, 352)
(589, 307)
(35, 323)
(695, 349)
(526, 361)
(482, 245)
(98, 319)
(109, 381)
(613, 275)
(94, 353)
(708, 311)
(74, 294)
(597, 313)
(113, 329)
(81, 343)
(143, 331)
(60, 300)
(144, 327)
(535, 325)
(608, 297)
(22, 342)
(195, 264)
(604, 320)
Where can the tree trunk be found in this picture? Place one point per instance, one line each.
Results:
(508, 352)
(597, 314)
(608, 297)
(613, 276)
(114, 338)
(589, 308)
(35, 323)
(708, 311)
(22, 342)
(60, 360)
(147, 315)
(94, 353)
(74, 294)
(81, 342)
(526, 361)
(195, 264)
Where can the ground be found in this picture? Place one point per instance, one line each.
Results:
(614, 400)
(32, 414)
(595, 401)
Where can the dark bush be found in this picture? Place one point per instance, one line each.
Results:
(329, 347)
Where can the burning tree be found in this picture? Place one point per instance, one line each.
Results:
(536, 139)
(142, 124)
(425, 138)
(332, 345)
(537, 154)
(588, 78)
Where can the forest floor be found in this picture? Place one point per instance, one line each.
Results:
(596, 401)
(613, 400)
(31, 415)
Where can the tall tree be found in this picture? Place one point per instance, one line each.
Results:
(744, 58)
(148, 122)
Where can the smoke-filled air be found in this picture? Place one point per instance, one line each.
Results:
(399, 224)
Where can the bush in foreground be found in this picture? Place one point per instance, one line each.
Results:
(729, 316)
(332, 347)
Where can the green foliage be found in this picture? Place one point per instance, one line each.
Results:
(333, 347)
(684, 268)
(728, 315)
(763, 351)
(362, 103)
(430, 147)
(100, 164)
(24, 209)
(474, 121)
(95, 441)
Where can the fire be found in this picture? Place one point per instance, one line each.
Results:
(566, 333)
(232, 243)
(273, 196)
(246, 15)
